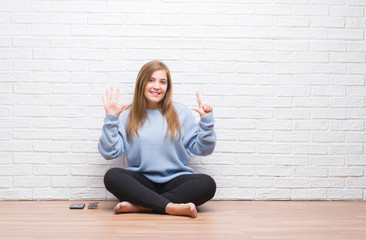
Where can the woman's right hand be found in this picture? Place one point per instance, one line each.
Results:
(111, 104)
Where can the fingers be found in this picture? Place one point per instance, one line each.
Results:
(198, 99)
(117, 93)
(124, 106)
(112, 93)
(207, 108)
(199, 110)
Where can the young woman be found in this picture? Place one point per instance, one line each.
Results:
(157, 137)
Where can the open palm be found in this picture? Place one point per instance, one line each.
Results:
(111, 103)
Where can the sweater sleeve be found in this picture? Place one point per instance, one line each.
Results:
(201, 137)
(110, 143)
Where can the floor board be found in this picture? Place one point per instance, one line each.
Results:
(282, 220)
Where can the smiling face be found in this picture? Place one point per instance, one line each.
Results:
(156, 88)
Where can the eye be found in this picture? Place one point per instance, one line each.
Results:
(163, 82)
(150, 80)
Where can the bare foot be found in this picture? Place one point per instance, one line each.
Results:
(185, 209)
(127, 207)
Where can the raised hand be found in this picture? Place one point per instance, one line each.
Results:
(202, 109)
(111, 104)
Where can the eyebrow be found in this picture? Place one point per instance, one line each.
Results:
(160, 79)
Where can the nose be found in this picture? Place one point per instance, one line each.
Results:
(156, 85)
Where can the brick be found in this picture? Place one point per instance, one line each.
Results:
(304, 57)
(309, 194)
(275, 148)
(38, 182)
(249, 182)
(31, 42)
(74, 112)
(88, 55)
(5, 41)
(29, 18)
(236, 193)
(328, 114)
(31, 158)
(292, 114)
(273, 194)
(346, 149)
(358, 183)
(356, 137)
(6, 158)
(345, 172)
(290, 160)
(292, 183)
(237, 170)
(31, 65)
(347, 57)
(51, 54)
(31, 111)
(69, 182)
(51, 146)
(311, 172)
(291, 21)
(6, 182)
(345, 11)
(51, 170)
(68, 42)
(328, 136)
(347, 102)
(50, 30)
(51, 194)
(68, 18)
(310, 149)
(327, 22)
(254, 159)
(15, 170)
(347, 125)
(342, 194)
(16, 53)
(327, 183)
(31, 134)
(16, 194)
(313, 102)
(293, 136)
(274, 171)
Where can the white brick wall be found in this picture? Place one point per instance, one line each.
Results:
(286, 79)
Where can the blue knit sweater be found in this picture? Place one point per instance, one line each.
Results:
(151, 153)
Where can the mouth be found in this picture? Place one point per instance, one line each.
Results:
(155, 94)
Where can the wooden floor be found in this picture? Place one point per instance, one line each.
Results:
(272, 220)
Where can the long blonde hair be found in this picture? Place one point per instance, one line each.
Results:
(137, 116)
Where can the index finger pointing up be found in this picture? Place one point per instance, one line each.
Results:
(198, 99)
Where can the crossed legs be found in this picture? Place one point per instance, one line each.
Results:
(179, 196)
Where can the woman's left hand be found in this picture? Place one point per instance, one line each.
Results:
(202, 109)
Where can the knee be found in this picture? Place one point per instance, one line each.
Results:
(209, 185)
(110, 175)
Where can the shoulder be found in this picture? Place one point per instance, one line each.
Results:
(181, 109)
(184, 113)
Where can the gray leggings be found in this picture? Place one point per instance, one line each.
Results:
(135, 188)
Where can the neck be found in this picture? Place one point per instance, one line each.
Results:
(152, 106)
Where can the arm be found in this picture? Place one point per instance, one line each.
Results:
(110, 144)
(202, 138)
